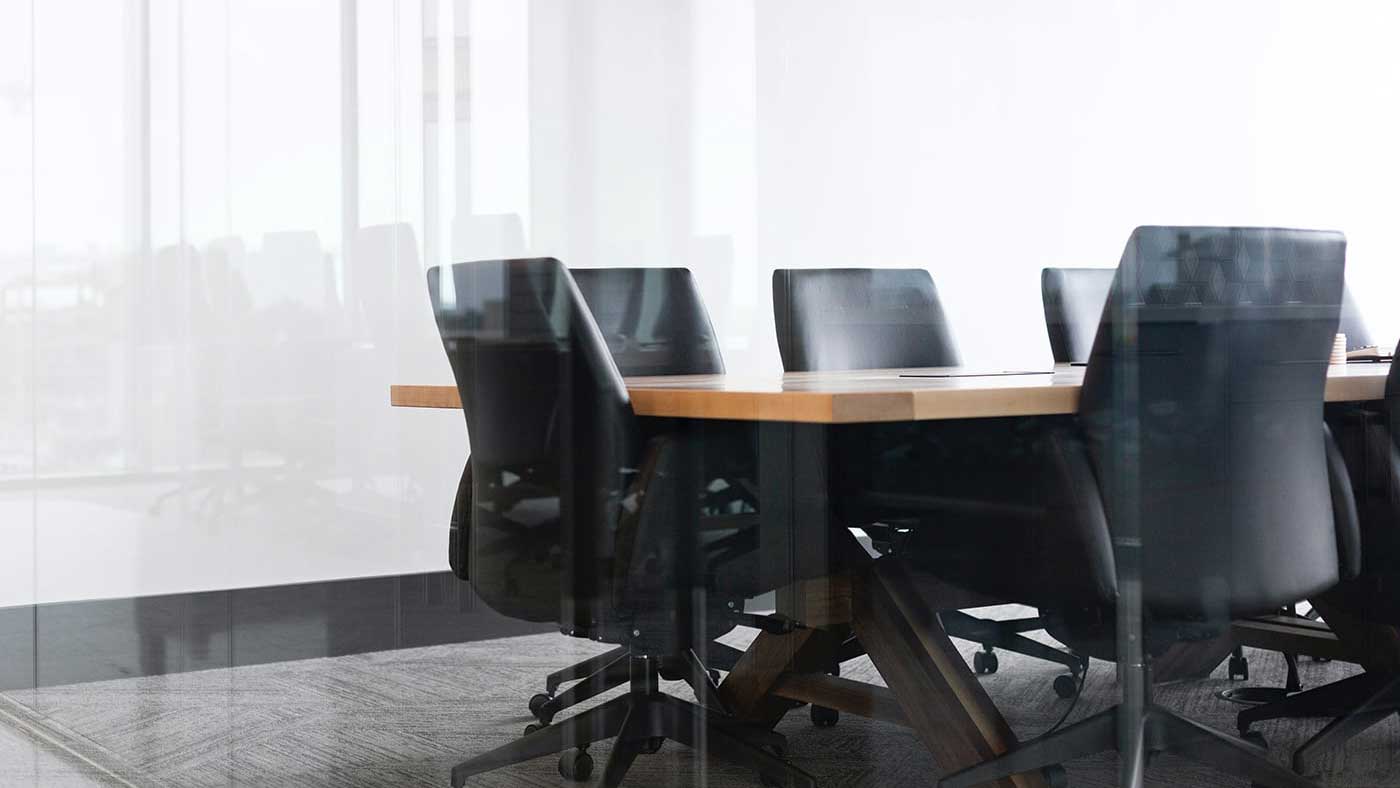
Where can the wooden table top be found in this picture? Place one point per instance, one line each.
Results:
(874, 395)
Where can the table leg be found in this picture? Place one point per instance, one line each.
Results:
(748, 689)
(941, 697)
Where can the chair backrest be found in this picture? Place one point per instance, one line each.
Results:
(859, 318)
(1202, 408)
(1073, 299)
(653, 320)
(552, 434)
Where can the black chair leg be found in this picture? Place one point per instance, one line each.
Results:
(600, 722)
(1086, 737)
(1338, 699)
(1336, 733)
(692, 726)
(1006, 635)
(584, 669)
(612, 675)
(1020, 644)
(1170, 732)
(627, 747)
(1355, 703)
(706, 691)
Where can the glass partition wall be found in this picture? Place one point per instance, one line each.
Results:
(229, 556)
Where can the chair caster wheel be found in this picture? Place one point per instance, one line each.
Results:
(985, 663)
(822, 717)
(532, 727)
(1066, 686)
(1239, 668)
(1256, 738)
(1055, 776)
(576, 764)
(539, 706)
(653, 745)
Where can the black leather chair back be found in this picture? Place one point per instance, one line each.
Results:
(1073, 299)
(552, 434)
(859, 318)
(1202, 410)
(653, 320)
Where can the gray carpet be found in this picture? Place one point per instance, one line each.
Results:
(403, 718)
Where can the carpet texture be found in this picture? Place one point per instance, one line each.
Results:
(403, 718)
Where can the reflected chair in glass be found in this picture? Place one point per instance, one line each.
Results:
(1200, 478)
(1365, 610)
(584, 514)
(1073, 300)
(864, 318)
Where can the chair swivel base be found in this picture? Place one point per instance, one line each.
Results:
(1163, 731)
(616, 672)
(599, 674)
(638, 721)
(1354, 703)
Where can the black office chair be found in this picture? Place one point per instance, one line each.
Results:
(654, 323)
(581, 514)
(860, 318)
(1073, 299)
(1370, 443)
(863, 318)
(1199, 464)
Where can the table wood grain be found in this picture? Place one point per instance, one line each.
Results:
(875, 395)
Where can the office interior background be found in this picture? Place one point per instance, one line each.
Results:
(216, 218)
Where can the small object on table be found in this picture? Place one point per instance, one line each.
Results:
(1339, 350)
(1369, 353)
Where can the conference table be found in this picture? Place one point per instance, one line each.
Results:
(876, 395)
(892, 614)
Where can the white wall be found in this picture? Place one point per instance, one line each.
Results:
(985, 141)
(155, 439)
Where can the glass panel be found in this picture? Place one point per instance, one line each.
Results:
(916, 372)
(17, 334)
